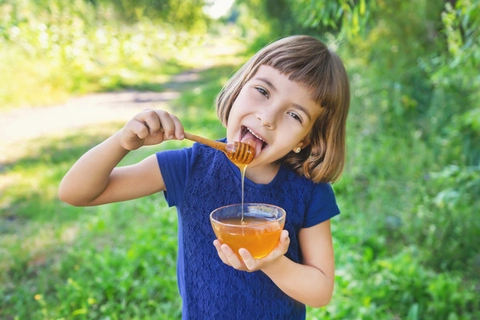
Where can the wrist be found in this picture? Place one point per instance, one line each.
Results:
(119, 141)
(275, 266)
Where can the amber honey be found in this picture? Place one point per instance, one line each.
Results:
(253, 226)
(258, 236)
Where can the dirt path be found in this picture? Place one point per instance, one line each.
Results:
(20, 125)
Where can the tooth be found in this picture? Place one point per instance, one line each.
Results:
(255, 135)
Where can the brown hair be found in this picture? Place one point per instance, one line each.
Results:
(308, 61)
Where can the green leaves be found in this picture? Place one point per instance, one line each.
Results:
(53, 49)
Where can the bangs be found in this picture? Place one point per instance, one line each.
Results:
(315, 71)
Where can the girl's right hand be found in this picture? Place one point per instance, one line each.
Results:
(150, 127)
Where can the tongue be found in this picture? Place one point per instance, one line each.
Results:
(250, 139)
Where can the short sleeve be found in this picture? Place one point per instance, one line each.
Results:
(323, 205)
(173, 165)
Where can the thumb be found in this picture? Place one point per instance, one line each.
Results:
(284, 240)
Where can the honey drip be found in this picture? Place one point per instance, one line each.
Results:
(243, 169)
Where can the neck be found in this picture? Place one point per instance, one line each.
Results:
(263, 174)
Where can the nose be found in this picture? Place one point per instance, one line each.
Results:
(265, 124)
(267, 119)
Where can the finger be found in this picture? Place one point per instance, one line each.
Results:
(232, 258)
(220, 253)
(153, 122)
(179, 130)
(283, 244)
(139, 129)
(248, 260)
(151, 119)
(285, 238)
(167, 123)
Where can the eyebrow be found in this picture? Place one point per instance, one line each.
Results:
(268, 83)
(297, 106)
(304, 110)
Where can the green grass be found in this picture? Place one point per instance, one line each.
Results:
(52, 50)
(117, 261)
(60, 261)
(114, 261)
(406, 243)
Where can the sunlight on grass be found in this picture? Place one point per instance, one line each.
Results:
(139, 56)
(405, 243)
(91, 257)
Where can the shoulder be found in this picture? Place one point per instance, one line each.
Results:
(323, 205)
(299, 181)
(188, 154)
(323, 189)
(197, 159)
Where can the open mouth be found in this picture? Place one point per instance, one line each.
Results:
(250, 137)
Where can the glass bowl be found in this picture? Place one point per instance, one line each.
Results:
(256, 228)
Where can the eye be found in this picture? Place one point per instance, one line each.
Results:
(295, 116)
(262, 91)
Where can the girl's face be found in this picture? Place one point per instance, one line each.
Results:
(274, 114)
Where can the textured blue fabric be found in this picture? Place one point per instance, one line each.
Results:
(201, 179)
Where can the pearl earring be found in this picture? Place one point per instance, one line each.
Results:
(297, 150)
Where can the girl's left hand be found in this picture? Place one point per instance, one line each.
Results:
(249, 263)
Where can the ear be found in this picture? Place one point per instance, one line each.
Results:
(301, 145)
(305, 142)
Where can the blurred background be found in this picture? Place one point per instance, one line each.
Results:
(407, 242)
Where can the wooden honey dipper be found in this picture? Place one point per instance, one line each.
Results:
(237, 152)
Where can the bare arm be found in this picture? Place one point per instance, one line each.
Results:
(311, 282)
(95, 178)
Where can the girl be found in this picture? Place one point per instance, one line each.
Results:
(290, 100)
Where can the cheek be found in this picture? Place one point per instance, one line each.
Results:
(233, 112)
(245, 103)
(238, 107)
(247, 96)
(234, 116)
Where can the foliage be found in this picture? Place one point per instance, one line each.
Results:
(114, 261)
(425, 99)
(406, 242)
(71, 262)
(413, 172)
(52, 50)
(118, 260)
(394, 287)
(187, 14)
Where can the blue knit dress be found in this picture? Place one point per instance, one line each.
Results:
(200, 179)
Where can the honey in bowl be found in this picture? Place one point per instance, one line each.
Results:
(256, 228)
